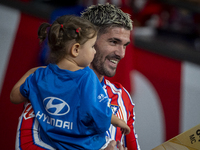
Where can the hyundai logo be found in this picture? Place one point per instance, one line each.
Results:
(56, 106)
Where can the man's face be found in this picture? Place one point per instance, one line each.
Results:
(110, 49)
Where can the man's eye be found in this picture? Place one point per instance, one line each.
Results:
(113, 42)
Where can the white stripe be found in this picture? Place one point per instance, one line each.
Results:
(120, 101)
(190, 92)
(8, 27)
(36, 136)
(121, 115)
(35, 129)
(129, 96)
(149, 113)
(17, 141)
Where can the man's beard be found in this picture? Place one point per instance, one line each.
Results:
(98, 65)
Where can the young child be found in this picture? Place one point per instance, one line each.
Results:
(67, 97)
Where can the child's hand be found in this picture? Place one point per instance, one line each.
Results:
(124, 127)
(120, 123)
(125, 131)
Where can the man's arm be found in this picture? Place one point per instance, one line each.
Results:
(131, 138)
(15, 95)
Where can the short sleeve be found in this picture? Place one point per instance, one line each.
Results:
(95, 101)
(25, 87)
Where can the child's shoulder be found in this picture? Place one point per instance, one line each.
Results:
(89, 71)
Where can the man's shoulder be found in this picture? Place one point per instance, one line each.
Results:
(115, 84)
(119, 95)
(117, 87)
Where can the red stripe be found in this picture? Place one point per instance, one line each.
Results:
(25, 54)
(114, 101)
(26, 131)
(164, 73)
(127, 103)
(113, 96)
(130, 141)
(26, 138)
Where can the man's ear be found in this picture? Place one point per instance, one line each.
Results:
(75, 49)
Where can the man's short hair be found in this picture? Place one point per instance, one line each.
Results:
(107, 15)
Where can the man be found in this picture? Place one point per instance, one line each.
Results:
(113, 37)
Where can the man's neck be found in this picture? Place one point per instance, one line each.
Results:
(100, 77)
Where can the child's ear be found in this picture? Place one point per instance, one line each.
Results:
(75, 49)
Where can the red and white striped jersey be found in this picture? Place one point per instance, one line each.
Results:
(27, 137)
(122, 106)
(120, 103)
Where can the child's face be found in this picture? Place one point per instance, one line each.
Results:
(87, 52)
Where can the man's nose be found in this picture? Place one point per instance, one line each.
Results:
(120, 51)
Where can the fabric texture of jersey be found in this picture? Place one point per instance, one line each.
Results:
(118, 99)
(27, 137)
(71, 107)
(122, 106)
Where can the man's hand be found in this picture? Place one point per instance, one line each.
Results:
(112, 146)
(119, 145)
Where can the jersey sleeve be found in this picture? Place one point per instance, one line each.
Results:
(28, 88)
(96, 112)
(131, 138)
(25, 87)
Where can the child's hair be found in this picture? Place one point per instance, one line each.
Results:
(108, 15)
(64, 32)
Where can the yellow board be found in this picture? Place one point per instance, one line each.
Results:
(188, 140)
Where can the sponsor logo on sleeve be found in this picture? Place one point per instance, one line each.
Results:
(102, 97)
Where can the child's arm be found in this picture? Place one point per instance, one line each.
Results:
(120, 123)
(15, 95)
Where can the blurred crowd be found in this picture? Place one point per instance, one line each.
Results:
(177, 18)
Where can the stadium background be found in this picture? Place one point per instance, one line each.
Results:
(165, 86)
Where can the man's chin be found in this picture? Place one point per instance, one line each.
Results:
(110, 73)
